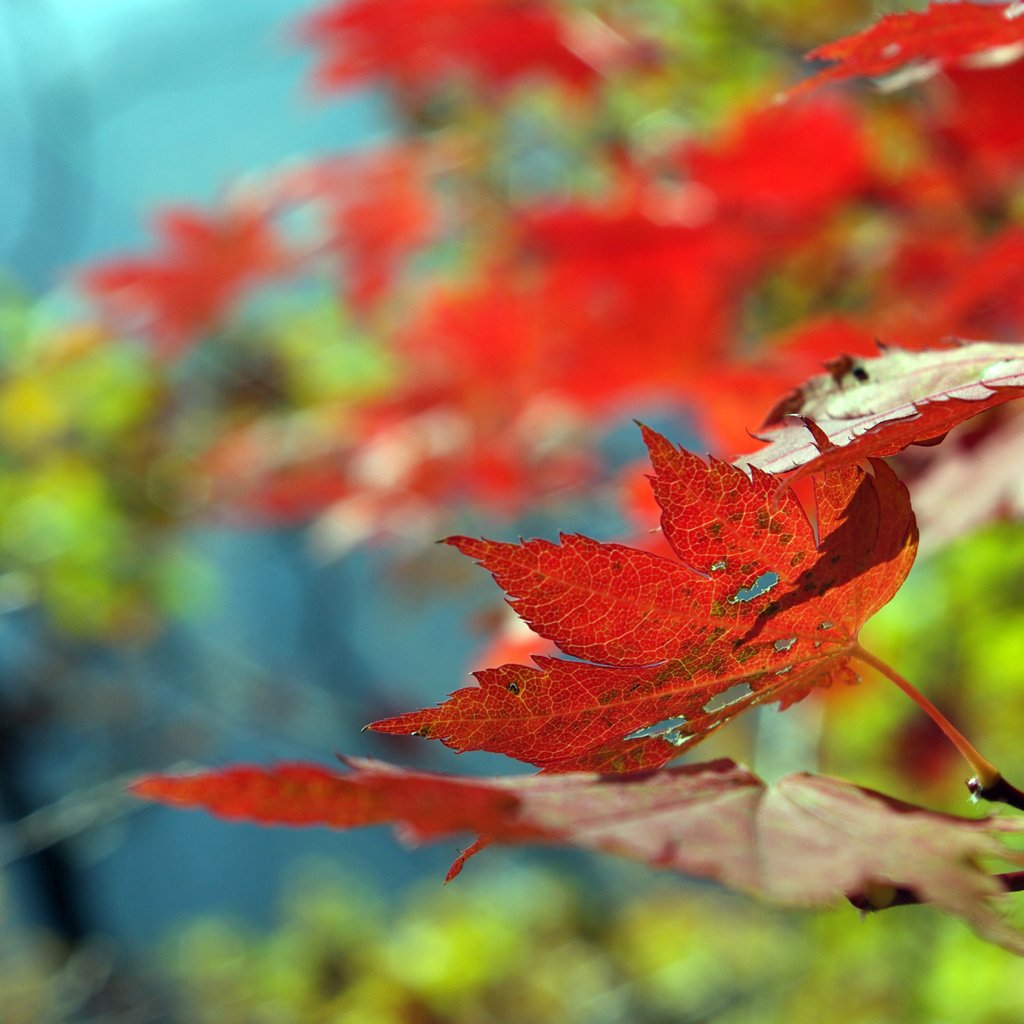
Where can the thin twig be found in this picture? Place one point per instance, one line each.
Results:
(1000, 791)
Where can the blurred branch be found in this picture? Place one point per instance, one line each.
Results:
(71, 815)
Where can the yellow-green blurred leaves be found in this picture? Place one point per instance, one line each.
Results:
(327, 359)
(104, 448)
(956, 628)
(75, 382)
(531, 945)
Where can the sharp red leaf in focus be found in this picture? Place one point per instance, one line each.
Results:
(756, 606)
(865, 408)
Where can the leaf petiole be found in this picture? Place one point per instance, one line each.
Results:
(1000, 792)
(988, 781)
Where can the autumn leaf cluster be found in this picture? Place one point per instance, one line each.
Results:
(717, 271)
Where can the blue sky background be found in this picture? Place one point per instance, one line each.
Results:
(111, 107)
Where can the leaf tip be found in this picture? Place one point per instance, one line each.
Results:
(143, 787)
(821, 440)
(166, 789)
(460, 862)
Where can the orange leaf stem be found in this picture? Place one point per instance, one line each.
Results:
(986, 773)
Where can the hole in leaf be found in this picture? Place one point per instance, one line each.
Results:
(727, 697)
(675, 726)
(760, 586)
(677, 737)
(719, 565)
(784, 645)
(825, 625)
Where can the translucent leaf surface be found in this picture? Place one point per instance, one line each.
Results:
(866, 408)
(757, 606)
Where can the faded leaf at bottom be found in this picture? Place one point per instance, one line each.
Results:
(806, 841)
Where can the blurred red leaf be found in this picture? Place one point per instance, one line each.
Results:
(944, 33)
(417, 44)
(377, 211)
(975, 478)
(206, 263)
(972, 116)
(985, 297)
(785, 167)
(736, 389)
(804, 841)
(306, 794)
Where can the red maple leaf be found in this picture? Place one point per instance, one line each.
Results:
(984, 297)
(756, 601)
(665, 262)
(785, 167)
(923, 41)
(971, 120)
(563, 317)
(206, 263)
(418, 43)
(376, 210)
(804, 841)
(864, 408)
(975, 478)
(613, 277)
(945, 282)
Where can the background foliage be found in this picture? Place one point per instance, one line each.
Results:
(223, 454)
